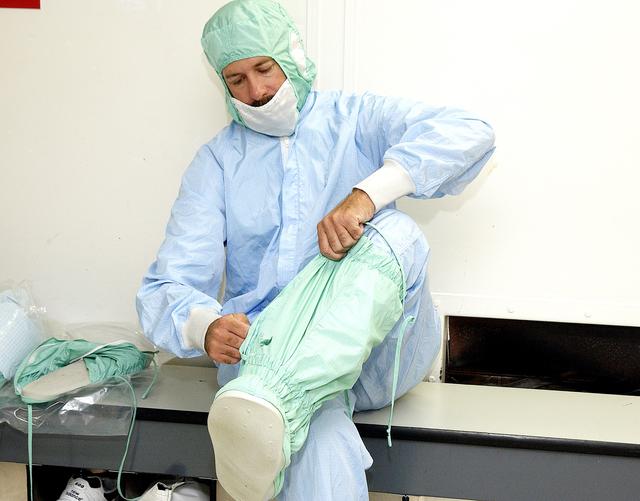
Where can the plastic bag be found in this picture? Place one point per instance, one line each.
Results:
(94, 411)
(109, 332)
(97, 410)
(21, 327)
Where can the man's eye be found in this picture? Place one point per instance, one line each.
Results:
(236, 82)
(265, 70)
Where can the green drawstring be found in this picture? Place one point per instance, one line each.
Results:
(348, 404)
(126, 449)
(407, 320)
(396, 369)
(30, 448)
(132, 423)
(156, 371)
(397, 259)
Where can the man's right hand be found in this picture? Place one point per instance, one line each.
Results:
(224, 337)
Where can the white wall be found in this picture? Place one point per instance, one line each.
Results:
(551, 232)
(104, 103)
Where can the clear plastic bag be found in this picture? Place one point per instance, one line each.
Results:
(101, 410)
(98, 410)
(21, 327)
(108, 332)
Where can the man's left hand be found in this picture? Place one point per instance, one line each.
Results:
(343, 226)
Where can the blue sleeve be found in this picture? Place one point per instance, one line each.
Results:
(189, 266)
(443, 149)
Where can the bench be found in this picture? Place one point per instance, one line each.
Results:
(459, 441)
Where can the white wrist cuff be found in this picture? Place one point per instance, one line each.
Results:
(195, 328)
(387, 184)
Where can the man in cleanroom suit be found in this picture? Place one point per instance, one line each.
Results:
(298, 172)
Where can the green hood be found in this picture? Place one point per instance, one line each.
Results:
(250, 28)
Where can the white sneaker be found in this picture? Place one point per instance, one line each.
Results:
(79, 489)
(180, 491)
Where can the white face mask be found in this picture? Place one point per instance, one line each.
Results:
(276, 118)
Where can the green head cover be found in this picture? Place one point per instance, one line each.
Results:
(250, 28)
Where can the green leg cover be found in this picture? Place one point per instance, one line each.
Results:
(310, 343)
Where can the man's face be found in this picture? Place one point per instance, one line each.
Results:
(254, 80)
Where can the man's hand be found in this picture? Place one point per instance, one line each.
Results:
(224, 337)
(343, 226)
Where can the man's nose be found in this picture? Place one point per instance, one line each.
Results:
(257, 89)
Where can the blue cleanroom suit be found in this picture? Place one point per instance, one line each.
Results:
(249, 205)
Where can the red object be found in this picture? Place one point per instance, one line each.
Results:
(20, 4)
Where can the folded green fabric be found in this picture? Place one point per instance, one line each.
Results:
(103, 362)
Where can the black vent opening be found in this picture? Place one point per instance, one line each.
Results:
(544, 355)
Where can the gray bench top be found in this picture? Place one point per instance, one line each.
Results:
(494, 411)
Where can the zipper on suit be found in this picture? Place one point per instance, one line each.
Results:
(284, 148)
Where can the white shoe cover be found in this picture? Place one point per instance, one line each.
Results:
(59, 382)
(247, 435)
